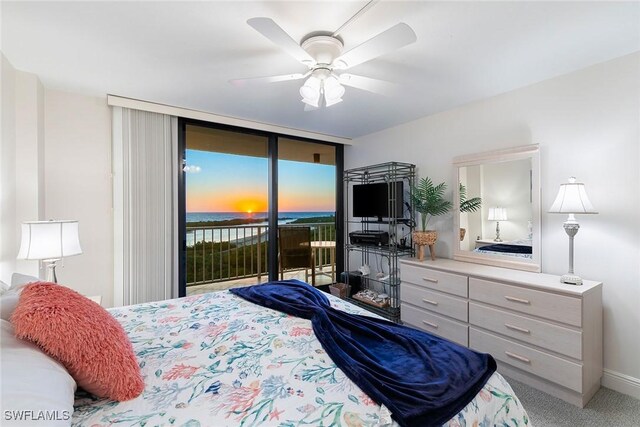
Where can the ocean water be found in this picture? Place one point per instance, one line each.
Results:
(223, 216)
(239, 233)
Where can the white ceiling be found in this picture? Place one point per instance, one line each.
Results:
(184, 53)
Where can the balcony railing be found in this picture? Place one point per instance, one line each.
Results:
(224, 253)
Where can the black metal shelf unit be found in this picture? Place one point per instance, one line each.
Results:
(382, 259)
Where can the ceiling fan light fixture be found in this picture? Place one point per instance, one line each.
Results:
(311, 88)
(333, 90)
(330, 102)
(312, 102)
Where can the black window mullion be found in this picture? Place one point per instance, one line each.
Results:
(272, 245)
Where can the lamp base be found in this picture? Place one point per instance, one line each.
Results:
(50, 264)
(497, 240)
(571, 279)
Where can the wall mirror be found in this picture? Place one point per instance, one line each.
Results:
(497, 221)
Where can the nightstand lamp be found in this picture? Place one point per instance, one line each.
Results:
(572, 199)
(49, 241)
(497, 214)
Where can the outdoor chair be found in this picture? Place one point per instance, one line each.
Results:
(294, 243)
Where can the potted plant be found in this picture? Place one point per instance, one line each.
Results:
(429, 201)
(467, 205)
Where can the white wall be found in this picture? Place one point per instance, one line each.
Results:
(588, 125)
(506, 184)
(22, 186)
(8, 235)
(78, 186)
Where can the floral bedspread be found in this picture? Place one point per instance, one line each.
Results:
(217, 360)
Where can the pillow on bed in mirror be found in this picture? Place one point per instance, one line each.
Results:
(83, 336)
(32, 381)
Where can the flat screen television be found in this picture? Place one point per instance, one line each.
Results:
(372, 200)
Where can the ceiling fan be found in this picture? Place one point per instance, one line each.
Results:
(322, 54)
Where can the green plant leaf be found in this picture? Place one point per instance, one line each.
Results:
(470, 205)
(429, 200)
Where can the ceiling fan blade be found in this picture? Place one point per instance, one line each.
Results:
(268, 28)
(394, 38)
(270, 79)
(366, 83)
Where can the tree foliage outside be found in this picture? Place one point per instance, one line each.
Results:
(208, 262)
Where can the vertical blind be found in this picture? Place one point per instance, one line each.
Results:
(145, 202)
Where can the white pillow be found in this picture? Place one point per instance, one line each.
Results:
(33, 384)
(3, 287)
(9, 298)
(18, 280)
(9, 302)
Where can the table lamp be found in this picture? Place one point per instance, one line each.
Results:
(497, 214)
(572, 199)
(49, 241)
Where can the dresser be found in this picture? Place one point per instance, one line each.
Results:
(541, 332)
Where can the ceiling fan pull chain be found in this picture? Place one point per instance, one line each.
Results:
(354, 17)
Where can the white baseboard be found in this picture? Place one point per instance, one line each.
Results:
(621, 383)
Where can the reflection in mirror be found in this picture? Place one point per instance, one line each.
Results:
(498, 208)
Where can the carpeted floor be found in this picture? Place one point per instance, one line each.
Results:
(607, 408)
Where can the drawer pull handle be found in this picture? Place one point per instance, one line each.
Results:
(429, 279)
(518, 357)
(517, 328)
(433, 325)
(520, 300)
(428, 301)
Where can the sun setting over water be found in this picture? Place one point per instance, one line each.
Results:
(233, 183)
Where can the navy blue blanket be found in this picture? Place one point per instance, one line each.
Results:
(422, 379)
(506, 248)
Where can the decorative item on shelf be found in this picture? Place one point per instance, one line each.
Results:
(467, 205)
(572, 199)
(49, 241)
(340, 290)
(497, 214)
(372, 298)
(429, 201)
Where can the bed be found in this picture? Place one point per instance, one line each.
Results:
(521, 248)
(218, 360)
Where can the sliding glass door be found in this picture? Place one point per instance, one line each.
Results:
(307, 198)
(239, 189)
(226, 182)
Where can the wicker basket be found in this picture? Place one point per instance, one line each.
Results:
(424, 238)
(340, 290)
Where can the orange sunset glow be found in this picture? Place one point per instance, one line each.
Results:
(228, 183)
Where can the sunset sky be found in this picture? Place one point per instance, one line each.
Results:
(231, 183)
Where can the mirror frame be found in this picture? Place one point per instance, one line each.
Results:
(499, 156)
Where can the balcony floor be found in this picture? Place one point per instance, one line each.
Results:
(321, 279)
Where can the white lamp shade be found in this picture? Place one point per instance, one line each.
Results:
(49, 240)
(497, 214)
(333, 90)
(572, 199)
(311, 89)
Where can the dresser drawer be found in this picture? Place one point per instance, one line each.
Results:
(434, 324)
(451, 283)
(552, 368)
(551, 306)
(435, 301)
(552, 337)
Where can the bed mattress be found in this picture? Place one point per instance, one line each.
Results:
(218, 360)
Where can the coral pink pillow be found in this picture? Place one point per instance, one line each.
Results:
(83, 336)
